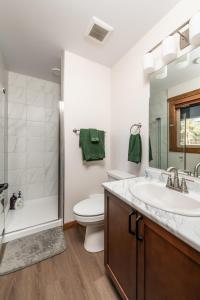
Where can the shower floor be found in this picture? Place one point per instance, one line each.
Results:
(33, 213)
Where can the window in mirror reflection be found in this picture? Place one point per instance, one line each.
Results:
(190, 120)
(184, 126)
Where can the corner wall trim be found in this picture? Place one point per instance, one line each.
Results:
(69, 225)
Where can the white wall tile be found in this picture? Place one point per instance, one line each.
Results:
(35, 144)
(1, 175)
(17, 177)
(16, 110)
(35, 175)
(17, 94)
(17, 127)
(51, 130)
(16, 161)
(51, 188)
(35, 97)
(50, 158)
(35, 159)
(2, 108)
(51, 115)
(35, 129)
(35, 113)
(35, 191)
(51, 145)
(51, 100)
(17, 144)
(51, 168)
(32, 136)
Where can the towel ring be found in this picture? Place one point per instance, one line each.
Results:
(138, 127)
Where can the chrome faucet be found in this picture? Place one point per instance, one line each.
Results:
(196, 170)
(174, 183)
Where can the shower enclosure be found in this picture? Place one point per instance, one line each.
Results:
(3, 160)
(33, 155)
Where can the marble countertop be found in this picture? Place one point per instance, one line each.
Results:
(184, 227)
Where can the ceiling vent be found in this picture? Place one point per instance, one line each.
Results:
(98, 30)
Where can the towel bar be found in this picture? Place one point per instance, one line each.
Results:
(77, 131)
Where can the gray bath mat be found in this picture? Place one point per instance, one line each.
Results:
(32, 249)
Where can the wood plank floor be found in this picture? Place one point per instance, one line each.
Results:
(72, 275)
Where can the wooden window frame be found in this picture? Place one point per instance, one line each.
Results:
(174, 103)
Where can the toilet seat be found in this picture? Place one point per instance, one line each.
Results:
(91, 207)
(84, 220)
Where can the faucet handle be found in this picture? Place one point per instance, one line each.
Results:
(169, 181)
(176, 181)
(184, 188)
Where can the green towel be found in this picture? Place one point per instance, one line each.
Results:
(150, 151)
(91, 151)
(135, 148)
(94, 135)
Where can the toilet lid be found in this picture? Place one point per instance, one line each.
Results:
(90, 207)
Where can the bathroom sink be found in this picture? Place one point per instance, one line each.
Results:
(157, 195)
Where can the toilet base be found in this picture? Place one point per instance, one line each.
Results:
(94, 238)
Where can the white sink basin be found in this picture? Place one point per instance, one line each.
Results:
(157, 195)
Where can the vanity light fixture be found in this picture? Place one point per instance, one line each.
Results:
(183, 61)
(170, 44)
(196, 61)
(149, 65)
(169, 49)
(194, 29)
(162, 73)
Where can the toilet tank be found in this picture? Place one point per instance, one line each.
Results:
(118, 175)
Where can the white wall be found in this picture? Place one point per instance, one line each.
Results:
(130, 88)
(86, 93)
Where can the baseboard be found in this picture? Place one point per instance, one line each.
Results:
(69, 225)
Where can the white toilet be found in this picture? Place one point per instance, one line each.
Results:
(90, 213)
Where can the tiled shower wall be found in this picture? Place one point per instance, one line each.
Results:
(33, 116)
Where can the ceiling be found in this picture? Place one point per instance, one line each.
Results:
(34, 32)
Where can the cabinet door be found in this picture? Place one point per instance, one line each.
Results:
(120, 245)
(169, 269)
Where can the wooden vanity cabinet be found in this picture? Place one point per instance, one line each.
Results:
(120, 245)
(144, 261)
(168, 268)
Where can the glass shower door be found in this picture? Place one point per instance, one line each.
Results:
(3, 160)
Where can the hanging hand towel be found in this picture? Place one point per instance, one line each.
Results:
(90, 150)
(94, 135)
(150, 151)
(135, 148)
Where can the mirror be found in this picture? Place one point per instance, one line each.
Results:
(174, 115)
